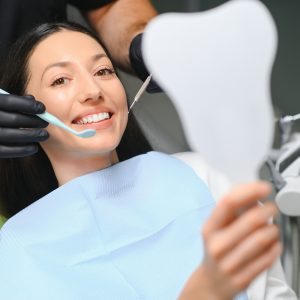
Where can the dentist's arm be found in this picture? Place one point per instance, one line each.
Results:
(120, 25)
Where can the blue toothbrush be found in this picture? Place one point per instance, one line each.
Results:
(55, 121)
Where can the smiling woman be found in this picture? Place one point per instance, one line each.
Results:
(104, 218)
(66, 67)
(80, 87)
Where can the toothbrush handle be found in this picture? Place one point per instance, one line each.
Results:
(52, 119)
(48, 117)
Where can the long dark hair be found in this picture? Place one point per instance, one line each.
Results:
(25, 180)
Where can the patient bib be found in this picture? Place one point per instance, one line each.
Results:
(131, 231)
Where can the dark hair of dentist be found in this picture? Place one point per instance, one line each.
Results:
(17, 175)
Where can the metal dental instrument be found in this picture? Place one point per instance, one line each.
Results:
(140, 92)
(55, 121)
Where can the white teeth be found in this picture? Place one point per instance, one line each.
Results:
(93, 118)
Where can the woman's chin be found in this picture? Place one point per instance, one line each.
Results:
(79, 151)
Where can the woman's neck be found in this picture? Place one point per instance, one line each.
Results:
(69, 167)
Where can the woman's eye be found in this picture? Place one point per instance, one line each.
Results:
(105, 72)
(59, 81)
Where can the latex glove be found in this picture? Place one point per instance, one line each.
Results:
(20, 130)
(137, 63)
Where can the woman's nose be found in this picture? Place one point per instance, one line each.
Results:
(90, 89)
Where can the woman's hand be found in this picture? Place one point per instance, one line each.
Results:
(240, 243)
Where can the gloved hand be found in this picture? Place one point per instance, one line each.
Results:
(20, 130)
(138, 65)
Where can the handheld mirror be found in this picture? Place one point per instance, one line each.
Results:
(216, 66)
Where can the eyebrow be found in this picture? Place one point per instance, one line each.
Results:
(94, 58)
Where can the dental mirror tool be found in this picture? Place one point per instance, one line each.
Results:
(55, 121)
(140, 92)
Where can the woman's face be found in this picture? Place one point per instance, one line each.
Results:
(71, 74)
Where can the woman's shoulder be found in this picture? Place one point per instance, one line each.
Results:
(187, 163)
(169, 169)
(161, 157)
(164, 162)
(216, 181)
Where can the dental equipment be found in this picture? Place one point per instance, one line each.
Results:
(140, 92)
(284, 167)
(55, 121)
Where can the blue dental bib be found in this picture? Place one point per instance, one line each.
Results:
(131, 231)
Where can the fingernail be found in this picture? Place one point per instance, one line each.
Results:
(44, 134)
(29, 97)
(271, 210)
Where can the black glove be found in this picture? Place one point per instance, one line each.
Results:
(138, 65)
(20, 130)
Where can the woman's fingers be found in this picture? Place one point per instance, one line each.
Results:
(243, 278)
(254, 246)
(239, 198)
(239, 240)
(226, 239)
